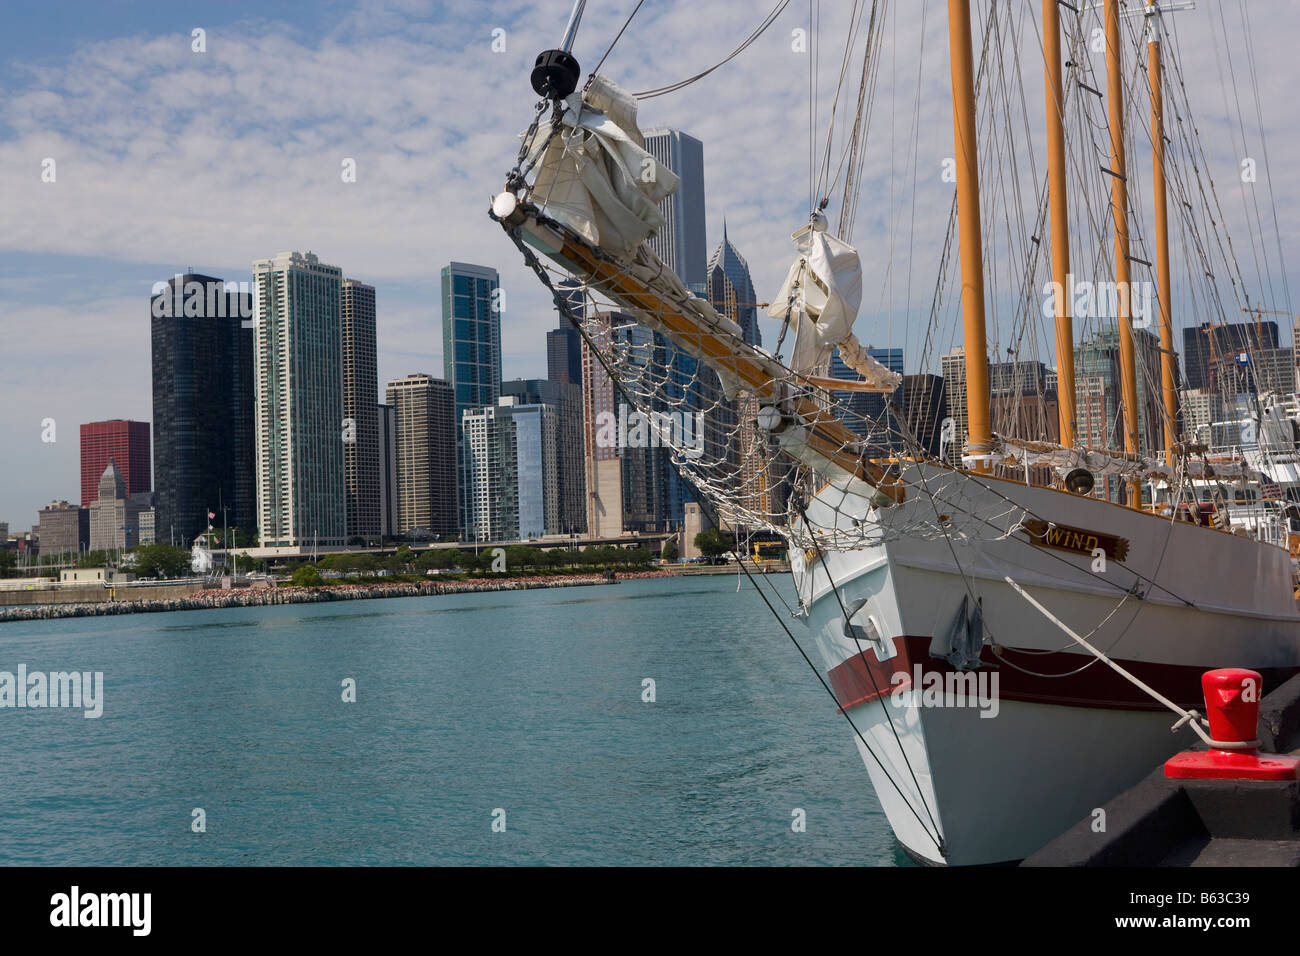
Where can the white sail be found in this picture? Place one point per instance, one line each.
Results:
(595, 176)
(820, 298)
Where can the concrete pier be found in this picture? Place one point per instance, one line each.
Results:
(1169, 822)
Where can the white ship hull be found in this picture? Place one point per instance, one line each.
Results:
(1048, 750)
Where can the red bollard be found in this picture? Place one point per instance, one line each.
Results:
(1232, 708)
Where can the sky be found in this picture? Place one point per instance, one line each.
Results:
(168, 158)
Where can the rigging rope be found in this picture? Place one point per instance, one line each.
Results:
(745, 44)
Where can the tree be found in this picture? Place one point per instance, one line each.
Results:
(8, 561)
(161, 561)
(402, 560)
(712, 543)
(306, 576)
(669, 552)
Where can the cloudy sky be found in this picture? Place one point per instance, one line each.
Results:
(166, 158)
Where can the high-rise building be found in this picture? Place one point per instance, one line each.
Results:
(1099, 397)
(115, 515)
(298, 371)
(1017, 378)
(867, 413)
(953, 367)
(126, 443)
(603, 468)
(388, 499)
(424, 412)
(360, 411)
(564, 355)
(202, 352)
(513, 471)
(1199, 408)
(924, 408)
(681, 241)
(471, 348)
(566, 399)
(689, 388)
(63, 528)
(731, 290)
(1206, 343)
(1254, 372)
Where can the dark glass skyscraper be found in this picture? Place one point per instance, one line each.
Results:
(360, 388)
(202, 406)
(471, 349)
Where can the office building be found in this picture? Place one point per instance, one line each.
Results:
(121, 441)
(63, 528)
(1206, 344)
(471, 349)
(202, 363)
(360, 411)
(425, 451)
(566, 399)
(513, 471)
(388, 498)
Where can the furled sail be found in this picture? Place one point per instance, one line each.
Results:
(594, 174)
(820, 299)
(1062, 460)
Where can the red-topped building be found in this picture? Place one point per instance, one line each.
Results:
(126, 444)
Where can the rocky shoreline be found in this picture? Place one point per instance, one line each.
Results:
(259, 597)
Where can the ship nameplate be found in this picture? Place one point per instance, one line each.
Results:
(1064, 537)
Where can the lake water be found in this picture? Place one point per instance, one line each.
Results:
(527, 702)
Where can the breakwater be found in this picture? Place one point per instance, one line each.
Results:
(258, 597)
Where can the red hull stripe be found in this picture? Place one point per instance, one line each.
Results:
(862, 678)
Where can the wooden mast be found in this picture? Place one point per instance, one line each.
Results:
(979, 444)
(1119, 202)
(1168, 386)
(1052, 87)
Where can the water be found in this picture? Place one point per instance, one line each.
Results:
(525, 701)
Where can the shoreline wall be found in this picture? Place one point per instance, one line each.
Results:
(199, 600)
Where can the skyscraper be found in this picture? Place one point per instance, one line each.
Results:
(566, 399)
(298, 370)
(513, 471)
(388, 510)
(126, 443)
(1204, 344)
(564, 355)
(681, 241)
(603, 468)
(953, 367)
(202, 406)
(115, 515)
(425, 450)
(471, 348)
(360, 389)
(688, 388)
(867, 412)
(731, 290)
(1099, 397)
(924, 408)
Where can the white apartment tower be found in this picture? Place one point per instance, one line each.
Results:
(298, 402)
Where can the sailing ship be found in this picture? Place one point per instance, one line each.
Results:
(920, 577)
